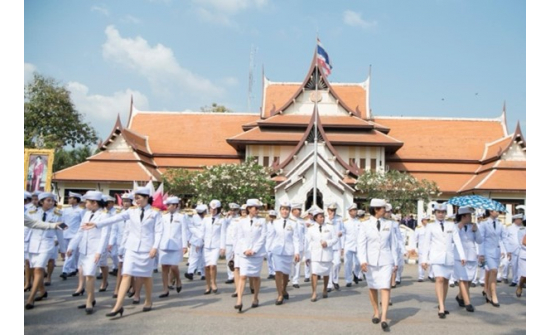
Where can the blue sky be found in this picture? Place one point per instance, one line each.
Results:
(431, 58)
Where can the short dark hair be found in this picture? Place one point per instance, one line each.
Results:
(372, 210)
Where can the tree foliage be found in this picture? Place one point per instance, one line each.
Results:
(51, 117)
(65, 158)
(215, 108)
(225, 182)
(401, 189)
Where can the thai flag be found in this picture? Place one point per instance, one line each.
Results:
(322, 59)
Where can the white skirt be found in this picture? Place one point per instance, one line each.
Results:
(236, 261)
(441, 270)
(250, 266)
(522, 263)
(379, 277)
(88, 265)
(103, 260)
(492, 263)
(321, 268)
(211, 256)
(39, 260)
(53, 253)
(138, 264)
(466, 272)
(170, 257)
(283, 263)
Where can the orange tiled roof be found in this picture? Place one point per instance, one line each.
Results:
(496, 148)
(113, 156)
(354, 96)
(304, 120)
(447, 182)
(192, 162)
(105, 171)
(136, 140)
(511, 180)
(437, 138)
(190, 133)
(433, 167)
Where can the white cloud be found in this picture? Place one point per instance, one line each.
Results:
(221, 12)
(158, 65)
(215, 17)
(230, 81)
(101, 110)
(29, 70)
(354, 19)
(101, 9)
(130, 19)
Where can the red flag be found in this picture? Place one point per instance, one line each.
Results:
(118, 199)
(158, 199)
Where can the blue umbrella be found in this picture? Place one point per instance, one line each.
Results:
(477, 201)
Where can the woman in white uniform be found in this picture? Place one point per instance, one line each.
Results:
(42, 244)
(173, 244)
(377, 249)
(145, 232)
(437, 250)
(522, 262)
(250, 239)
(213, 231)
(492, 248)
(285, 249)
(91, 245)
(320, 237)
(469, 236)
(119, 234)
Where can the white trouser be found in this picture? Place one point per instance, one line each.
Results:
(334, 272)
(514, 261)
(503, 268)
(400, 267)
(270, 265)
(351, 264)
(296, 274)
(195, 260)
(420, 269)
(114, 256)
(72, 261)
(228, 256)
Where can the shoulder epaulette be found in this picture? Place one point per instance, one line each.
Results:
(521, 228)
(119, 210)
(155, 209)
(32, 211)
(105, 210)
(164, 212)
(346, 219)
(57, 212)
(132, 207)
(291, 219)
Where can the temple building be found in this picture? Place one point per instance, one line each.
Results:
(462, 155)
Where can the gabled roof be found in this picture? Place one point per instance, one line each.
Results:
(135, 140)
(102, 171)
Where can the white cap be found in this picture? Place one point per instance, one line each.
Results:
(352, 206)
(128, 196)
(215, 204)
(143, 191)
(389, 207)
(316, 211)
(234, 206)
(272, 213)
(253, 203)
(172, 201)
(243, 207)
(377, 203)
(284, 204)
(313, 209)
(296, 205)
(75, 195)
(451, 216)
(425, 217)
(517, 216)
(332, 206)
(28, 195)
(36, 193)
(45, 195)
(108, 198)
(201, 208)
(361, 212)
(440, 207)
(93, 195)
(465, 210)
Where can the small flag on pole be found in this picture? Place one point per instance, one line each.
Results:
(322, 59)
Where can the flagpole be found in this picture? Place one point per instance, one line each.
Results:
(315, 110)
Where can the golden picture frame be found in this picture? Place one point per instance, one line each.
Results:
(38, 170)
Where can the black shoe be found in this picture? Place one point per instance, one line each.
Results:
(348, 285)
(121, 310)
(99, 276)
(135, 302)
(483, 293)
(164, 295)
(329, 289)
(336, 287)
(470, 308)
(28, 288)
(239, 307)
(44, 296)
(393, 286)
(325, 295)
(29, 306)
(452, 284)
(499, 281)
(154, 271)
(130, 294)
(473, 284)
(513, 284)
(63, 275)
(230, 281)
(355, 279)
(286, 296)
(420, 280)
(113, 272)
(306, 280)
(313, 299)
(296, 286)
(84, 305)
(255, 304)
(208, 291)
(188, 276)
(460, 301)
(71, 274)
(76, 294)
(170, 287)
(446, 311)
(441, 315)
(385, 326)
(432, 279)
(234, 295)
(375, 320)
(398, 282)
(147, 308)
(279, 302)
(104, 288)
(115, 296)
(203, 278)
(178, 289)
(495, 304)
(271, 277)
(251, 290)
(47, 284)
(89, 311)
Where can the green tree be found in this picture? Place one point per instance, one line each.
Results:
(51, 119)
(65, 158)
(215, 108)
(401, 189)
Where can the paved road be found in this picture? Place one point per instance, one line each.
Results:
(348, 311)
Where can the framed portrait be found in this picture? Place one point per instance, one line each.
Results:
(38, 169)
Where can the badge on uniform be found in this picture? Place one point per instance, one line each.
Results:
(449, 231)
(257, 225)
(289, 228)
(386, 229)
(326, 231)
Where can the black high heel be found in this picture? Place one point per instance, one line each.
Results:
(28, 288)
(178, 289)
(460, 301)
(484, 294)
(215, 291)
(385, 326)
(375, 320)
(147, 309)
(121, 310)
(279, 302)
(76, 294)
(239, 307)
(44, 296)
(29, 306)
(208, 291)
(130, 294)
(89, 311)
(164, 295)
(286, 296)
(234, 295)
(135, 302)
(255, 304)
(84, 305)
(495, 304)
(104, 289)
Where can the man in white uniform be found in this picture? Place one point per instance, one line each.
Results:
(72, 216)
(336, 221)
(512, 245)
(350, 230)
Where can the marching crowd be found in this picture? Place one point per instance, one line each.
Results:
(139, 238)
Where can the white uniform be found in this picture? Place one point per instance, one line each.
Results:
(41, 243)
(320, 257)
(113, 254)
(300, 224)
(173, 240)
(419, 233)
(400, 251)
(337, 224)
(378, 248)
(229, 238)
(493, 235)
(143, 236)
(350, 231)
(469, 240)
(251, 234)
(72, 217)
(513, 246)
(437, 248)
(91, 242)
(522, 257)
(285, 243)
(196, 240)
(119, 234)
(213, 232)
(268, 246)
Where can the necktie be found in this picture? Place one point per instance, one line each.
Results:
(44, 217)
(378, 224)
(442, 227)
(251, 221)
(171, 217)
(213, 219)
(92, 216)
(142, 214)
(320, 228)
(465, 227)
(494, 225)
(284, 223)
